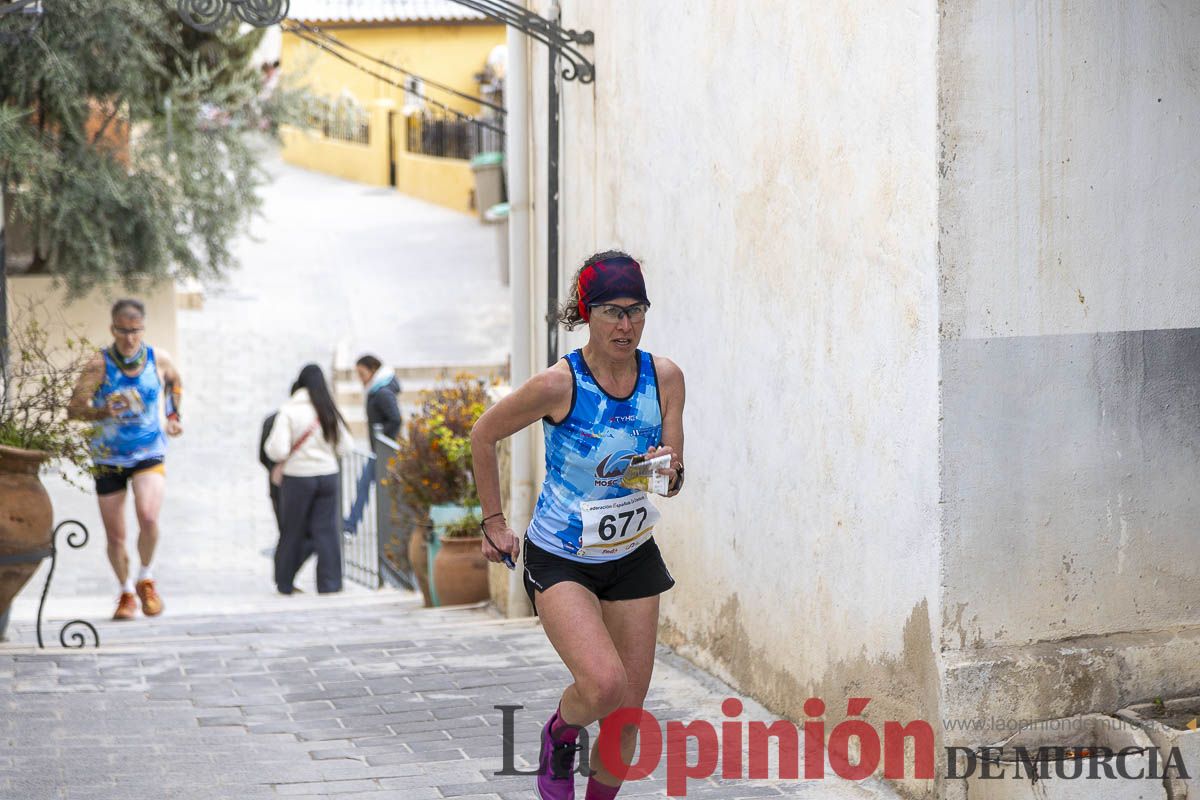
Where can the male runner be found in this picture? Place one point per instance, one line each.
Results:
(121, 387)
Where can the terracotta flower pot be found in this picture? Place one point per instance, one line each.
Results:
(418, 557)
(26, 519)
(460, 571)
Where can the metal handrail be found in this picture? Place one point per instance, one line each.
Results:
(360, 533)
(396, 577)
(378, 436)
(368, 525)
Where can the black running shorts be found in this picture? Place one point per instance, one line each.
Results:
(642, 573)
(110, 479)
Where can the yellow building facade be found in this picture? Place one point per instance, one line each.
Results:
(376, 133)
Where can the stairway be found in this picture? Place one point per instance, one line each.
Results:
(415, 379)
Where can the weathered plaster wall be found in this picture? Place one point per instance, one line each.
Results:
(1070, 358)
(1071, 174)
(797, 180)
(772, 164)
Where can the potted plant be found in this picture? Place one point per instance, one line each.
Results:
(459, 568)
(433, 470)
(34, 431)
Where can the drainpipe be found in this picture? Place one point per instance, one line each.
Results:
(552, 164)
(516, 99)
(4, 372)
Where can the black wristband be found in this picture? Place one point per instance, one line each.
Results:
(677, 483)
(490, 516)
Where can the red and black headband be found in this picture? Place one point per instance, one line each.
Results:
(609, 279)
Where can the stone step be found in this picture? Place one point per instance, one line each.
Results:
(440, 373)
(428, 373)
(347, 394)
(415, 380)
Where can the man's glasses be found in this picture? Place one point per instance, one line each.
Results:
(610, 312)
(126, 331)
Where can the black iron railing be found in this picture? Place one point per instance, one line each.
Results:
(341, 121)
(445, 136)
(77, 537)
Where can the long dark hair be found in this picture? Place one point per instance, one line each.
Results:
(312, 379)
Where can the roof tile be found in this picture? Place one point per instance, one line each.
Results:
(381, 11)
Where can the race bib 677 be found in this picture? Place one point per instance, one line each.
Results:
(617, 526)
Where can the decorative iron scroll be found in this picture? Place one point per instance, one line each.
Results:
(546, 31)
(76, 538)
(210, 15)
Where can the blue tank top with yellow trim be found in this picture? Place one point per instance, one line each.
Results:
(136, 435)
(588, 451)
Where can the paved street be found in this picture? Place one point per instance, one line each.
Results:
(237, 692)
(366, 696)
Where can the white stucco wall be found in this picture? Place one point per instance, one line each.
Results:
(1068, 135)
(1069, 186)
(931, 275)
(772, 165)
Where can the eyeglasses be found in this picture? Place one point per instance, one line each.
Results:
(610, 312)
(126, 331)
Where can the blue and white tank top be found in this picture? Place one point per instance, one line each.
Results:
(587, 452)
(137, 434)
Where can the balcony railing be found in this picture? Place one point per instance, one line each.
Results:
(446, 136)
(340, 121)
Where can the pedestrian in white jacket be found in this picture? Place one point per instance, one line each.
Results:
(308, 436)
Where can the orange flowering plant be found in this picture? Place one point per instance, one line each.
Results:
(433, 464)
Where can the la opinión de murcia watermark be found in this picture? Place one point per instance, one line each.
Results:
(854, 749)
(1065, 763)
(996, 724)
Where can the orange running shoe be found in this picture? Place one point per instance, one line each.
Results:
(152, 604)
(126, 607)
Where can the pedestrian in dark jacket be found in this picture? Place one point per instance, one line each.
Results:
(383, 406)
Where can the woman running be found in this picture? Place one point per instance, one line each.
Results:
(592, 569)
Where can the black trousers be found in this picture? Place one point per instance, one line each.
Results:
(274, 490)
(308, 510)
(308, 543)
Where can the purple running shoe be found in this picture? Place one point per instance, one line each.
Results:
(556, 766)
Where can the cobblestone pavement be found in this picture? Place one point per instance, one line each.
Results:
(236, 692)
(364, 696)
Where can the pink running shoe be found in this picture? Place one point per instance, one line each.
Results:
(556, 766)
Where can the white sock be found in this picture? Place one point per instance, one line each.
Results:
(144, 573)
(127, 587)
